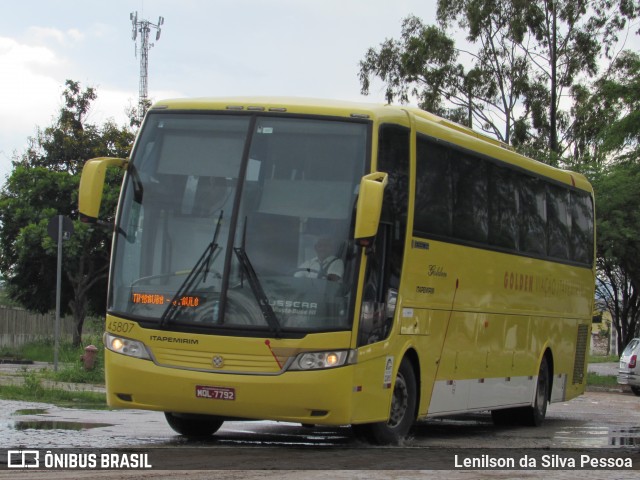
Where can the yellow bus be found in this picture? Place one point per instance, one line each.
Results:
(334, 263)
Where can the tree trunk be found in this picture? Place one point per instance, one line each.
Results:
(81, 282)
(79, 311)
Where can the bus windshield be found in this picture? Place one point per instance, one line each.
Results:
(238, 222)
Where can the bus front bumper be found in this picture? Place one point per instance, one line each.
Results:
(321, 397)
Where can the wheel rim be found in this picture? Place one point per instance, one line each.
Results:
(400, 401)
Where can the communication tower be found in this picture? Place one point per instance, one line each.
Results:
(144, 28)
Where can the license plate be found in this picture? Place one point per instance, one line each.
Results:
(215, 393)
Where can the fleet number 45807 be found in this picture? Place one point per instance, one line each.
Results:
(116, 326)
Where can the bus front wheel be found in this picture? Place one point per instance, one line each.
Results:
(401, 415)
(193, 426)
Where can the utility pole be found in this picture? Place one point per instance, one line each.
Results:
(144, 28)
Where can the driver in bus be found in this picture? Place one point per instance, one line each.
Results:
(325, 264)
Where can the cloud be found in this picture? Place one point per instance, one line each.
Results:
(46, 34)
(29, 94)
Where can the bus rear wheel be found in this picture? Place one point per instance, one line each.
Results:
(534, 416)
(401, 415)
(193, 426)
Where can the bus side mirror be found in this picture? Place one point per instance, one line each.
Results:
(369, 207)
(92, 184)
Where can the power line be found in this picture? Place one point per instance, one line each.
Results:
(144, 28)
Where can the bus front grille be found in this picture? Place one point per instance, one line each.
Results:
(219, 362)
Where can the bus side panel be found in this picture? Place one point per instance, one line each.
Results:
(373, 382)
(500, 313)
(427, 329)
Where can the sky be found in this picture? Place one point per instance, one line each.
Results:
(308, 48)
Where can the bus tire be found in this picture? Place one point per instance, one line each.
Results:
(505, 417)
(193, 426)
(401, 415)
(533, 416)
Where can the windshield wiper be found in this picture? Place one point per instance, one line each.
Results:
(258, 292)
(201, 265)
(138, 189)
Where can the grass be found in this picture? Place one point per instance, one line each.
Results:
(70, 366)
(35, 388)
(604, 359)
(594, 379)
(36, 392)
(601, 380)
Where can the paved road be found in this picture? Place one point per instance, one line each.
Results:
(597, 420)
(604, 368)
(269, 450)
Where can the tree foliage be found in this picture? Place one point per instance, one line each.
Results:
(618, 246)
(609, 112)
(44, 183)
(515, 81)
(611, 138)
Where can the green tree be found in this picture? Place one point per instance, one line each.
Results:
(514, 82)
(620, 89)
(617, 191)
(607, 139)
(420, 65)
(609, 113)
(44, 183)
(571, 38)
(496, 29)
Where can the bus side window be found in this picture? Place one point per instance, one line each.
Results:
(503, 208)
(581, 227)
(375, 321)
(558, 222)
(433, 212)
(533, 216)
(470, 198)
(384, 263)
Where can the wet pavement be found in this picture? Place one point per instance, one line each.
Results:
(609, 368)
(594, 420)
(597, 420)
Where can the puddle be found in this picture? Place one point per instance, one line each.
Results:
(56, 425)
(31, 411)
(625, 437)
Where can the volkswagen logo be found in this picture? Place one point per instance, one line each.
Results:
(218, 361)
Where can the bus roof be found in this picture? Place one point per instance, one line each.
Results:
(294, 105)
(432, 125)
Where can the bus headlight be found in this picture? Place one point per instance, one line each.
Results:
(322, 360)
(126, 346)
